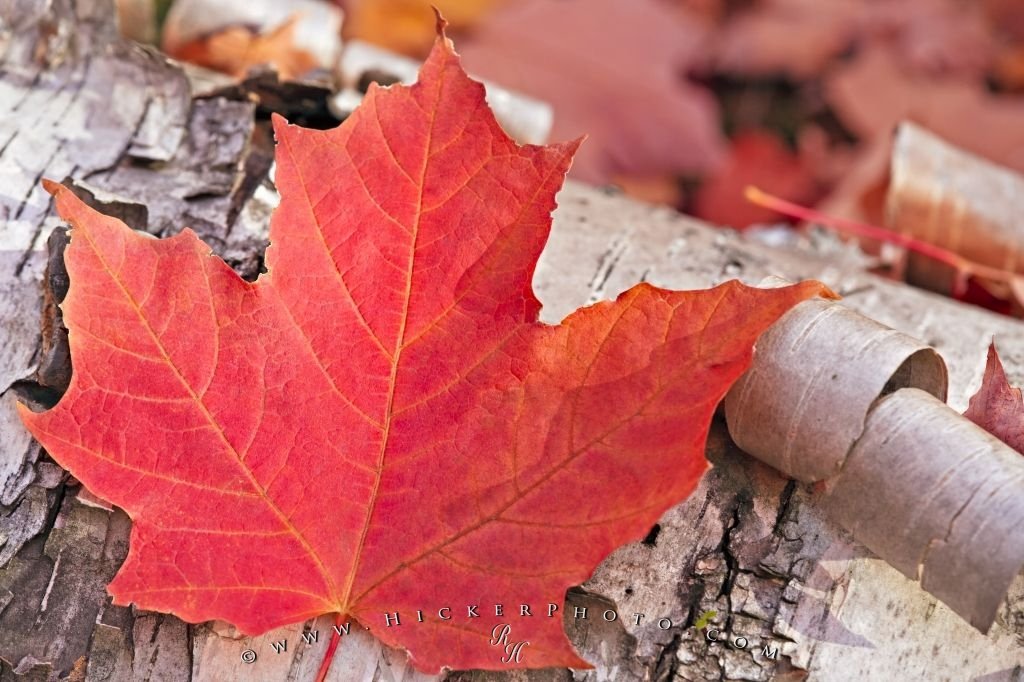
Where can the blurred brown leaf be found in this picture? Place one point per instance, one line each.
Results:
(612, 70)
(408, 26)
(760, 159)
(936, 37)
(232, 35)
(1009, 68)
(1007, 16)
(655, 189)
(236, 49)
(795, 38)
(800, 38)
(874, 92)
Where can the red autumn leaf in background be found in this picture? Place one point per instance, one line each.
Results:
(759, 159)
(380, 423)
(998, 407)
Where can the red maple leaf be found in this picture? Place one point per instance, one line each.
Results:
(380, 424)
(998, 407)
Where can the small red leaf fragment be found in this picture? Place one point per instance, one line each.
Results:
(380, 423)
(998, 407)
(755, 158)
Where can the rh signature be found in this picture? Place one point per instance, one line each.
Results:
(513, 651)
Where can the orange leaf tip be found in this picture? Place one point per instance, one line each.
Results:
(52, 186)
(442, 23)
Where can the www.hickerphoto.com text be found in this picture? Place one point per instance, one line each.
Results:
(500, 634)
(522, 611)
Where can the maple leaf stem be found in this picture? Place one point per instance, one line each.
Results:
(332, 648)
(963, 266)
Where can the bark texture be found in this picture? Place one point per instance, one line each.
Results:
(77, 102)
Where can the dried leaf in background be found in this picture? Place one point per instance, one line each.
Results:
(801, 39)
(231, 36)
(874, 92)
(236, 49)
(794, 38)
(755, 158)
(407, 26)
(998, 407)
(614, 71)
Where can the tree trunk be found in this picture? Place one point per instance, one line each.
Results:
(806, 600)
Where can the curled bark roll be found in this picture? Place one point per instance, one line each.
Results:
(939, 499)
(960, 202)
(834, 396)
(817, 371)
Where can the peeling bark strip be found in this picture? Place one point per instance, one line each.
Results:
(835, 396)
(960, 202)
(802, 404)
(964, 537)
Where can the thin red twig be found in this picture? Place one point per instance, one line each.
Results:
(963, 266)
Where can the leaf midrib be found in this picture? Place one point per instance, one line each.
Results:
(399, 346)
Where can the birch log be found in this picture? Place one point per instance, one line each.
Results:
(749, 544)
